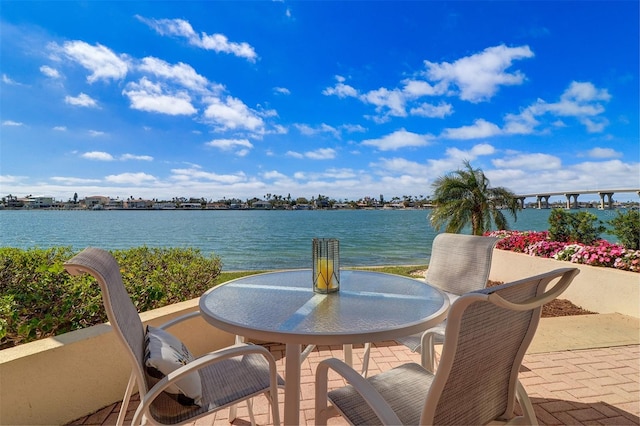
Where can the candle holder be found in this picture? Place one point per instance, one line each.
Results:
(326, 265)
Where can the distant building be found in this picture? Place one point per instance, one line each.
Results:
(138, 204)
(38, 202)
(302, 207)
(190, 206)
(261, 205)
(217, 206)
(167, 205)
(96, 200)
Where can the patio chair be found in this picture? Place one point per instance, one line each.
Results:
(174, 387)
(458, 264)
(488, 332)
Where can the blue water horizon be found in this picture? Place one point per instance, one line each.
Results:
(249, 239)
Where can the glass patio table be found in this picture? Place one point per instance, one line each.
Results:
(282, 307)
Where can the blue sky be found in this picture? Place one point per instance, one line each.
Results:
(344, 99)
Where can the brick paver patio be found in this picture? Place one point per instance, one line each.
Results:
(578, 387)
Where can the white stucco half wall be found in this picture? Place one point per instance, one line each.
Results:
(598, 289)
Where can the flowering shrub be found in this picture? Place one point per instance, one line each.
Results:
(545, 248)
(518, 241)
(601, 253)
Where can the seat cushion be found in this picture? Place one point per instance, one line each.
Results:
(164, 353)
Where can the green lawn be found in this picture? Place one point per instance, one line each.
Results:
(407, 271)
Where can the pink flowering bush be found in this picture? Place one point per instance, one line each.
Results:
(601, 253)
(518, 241)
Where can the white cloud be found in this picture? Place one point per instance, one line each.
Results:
(101, 61)
(274, 175)
(307, 130)
(294, 154)
(603, 153)
(82, 100)
(393, 100)
(432, 111)
(98, 155)
(130, 178)
(126, 157)
(402, 166)
(594, 125)
(340, 90)
(232, 114)
(419, 88)
(216, 42)
(282, 90)
(471, 154)
(8, 80)
(153, 97)
(536, 161)
(520, 124)
(49, 72)
(479, 129)
(96, 133)
(242, 146)
(12, 123)
(318, 154)
(581, 100)
(321, 154)
(353, 128)
(10, 179)
(60, 128)
(73, 180)
(398, 139)
(198, 174)
(181, 73)
(479, 76)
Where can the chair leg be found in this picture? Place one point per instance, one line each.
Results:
(365, 359)
(428, 352)
(233, 413)
(250, 409)
(125, 401)
(305, 353)
(525, 404)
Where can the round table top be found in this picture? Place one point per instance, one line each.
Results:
(282, 307)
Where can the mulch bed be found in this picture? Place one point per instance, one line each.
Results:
(555, 308)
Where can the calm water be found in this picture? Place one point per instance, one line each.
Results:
(251, 239)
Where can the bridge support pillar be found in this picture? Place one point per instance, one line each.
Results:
(543, 201)
(609, 204)
(521, 202)
(574, 204)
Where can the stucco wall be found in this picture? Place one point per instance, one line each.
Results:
(602, 290)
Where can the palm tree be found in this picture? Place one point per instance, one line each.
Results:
(464, 197)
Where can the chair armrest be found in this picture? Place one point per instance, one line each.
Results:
(375, 401)
(179, 319)
(197, 364)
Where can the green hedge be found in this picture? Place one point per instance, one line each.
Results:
(38, 298)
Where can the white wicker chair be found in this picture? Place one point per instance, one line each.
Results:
(227, 376)
(488, 332)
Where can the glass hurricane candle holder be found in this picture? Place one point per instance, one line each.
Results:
(326, 265)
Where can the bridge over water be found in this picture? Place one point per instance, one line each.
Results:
(606, 197)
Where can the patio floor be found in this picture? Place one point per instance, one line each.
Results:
(581, 384)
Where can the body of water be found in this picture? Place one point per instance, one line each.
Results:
(247, 239)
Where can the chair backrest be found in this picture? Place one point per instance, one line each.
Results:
(460, 263)
(487, 335)
(121, 312)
